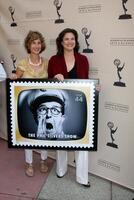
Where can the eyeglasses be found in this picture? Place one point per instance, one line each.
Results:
(43, 110)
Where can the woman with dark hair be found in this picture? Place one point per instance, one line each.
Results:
(33, 66)
(60, 48)
(69, 64)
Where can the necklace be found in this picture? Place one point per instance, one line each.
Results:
(33, 64)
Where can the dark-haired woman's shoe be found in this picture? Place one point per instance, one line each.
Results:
(87, 185)
(60, 176)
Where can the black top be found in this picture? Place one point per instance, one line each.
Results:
(72, 73)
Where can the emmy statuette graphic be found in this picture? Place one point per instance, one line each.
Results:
(3, 74)
(117, 63)
(86, 35)
(112, 132)
(58, 7)
(125, 15)
(13, 61)
(11, 10)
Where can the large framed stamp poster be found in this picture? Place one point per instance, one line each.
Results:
(51, 114)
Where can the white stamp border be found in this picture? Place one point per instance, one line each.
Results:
(37, 143)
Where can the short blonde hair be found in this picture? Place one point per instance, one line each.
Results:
(31, 36)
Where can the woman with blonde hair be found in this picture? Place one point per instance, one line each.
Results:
(33, 66)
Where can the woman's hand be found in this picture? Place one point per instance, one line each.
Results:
(13, 76)
(60, 77)
(98, 87)
(18, 74)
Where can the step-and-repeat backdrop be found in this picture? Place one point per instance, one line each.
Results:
(106, 35)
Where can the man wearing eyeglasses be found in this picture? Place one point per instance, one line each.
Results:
(48, 108)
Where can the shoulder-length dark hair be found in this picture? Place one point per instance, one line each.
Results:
(60, 49)
(31, 36)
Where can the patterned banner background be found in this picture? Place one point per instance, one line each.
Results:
(106, 35)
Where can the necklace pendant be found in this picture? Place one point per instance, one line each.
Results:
(35, 64)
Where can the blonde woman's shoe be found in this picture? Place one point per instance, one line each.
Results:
(43, 167)
(29, 170)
